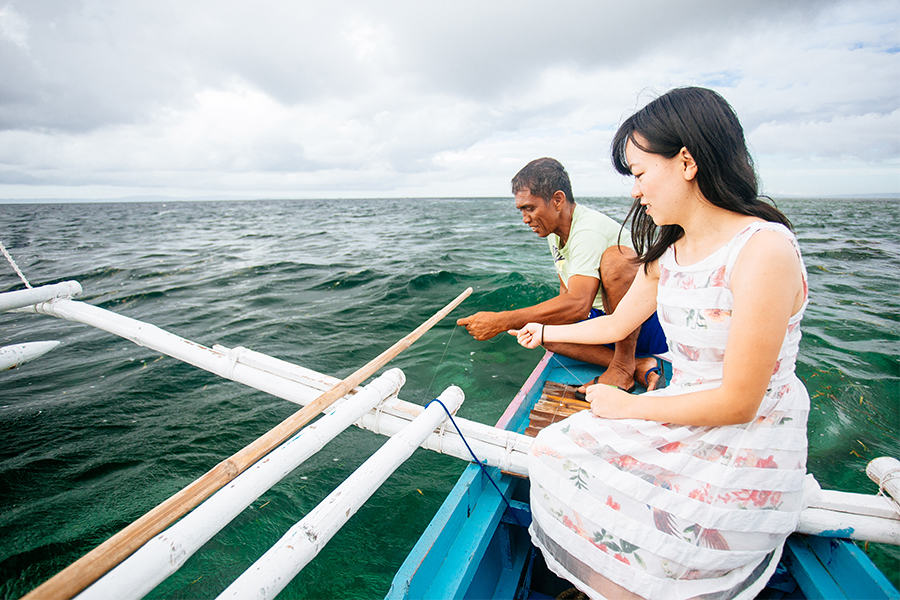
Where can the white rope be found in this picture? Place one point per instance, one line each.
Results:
(376, 424)
(14, 265)
(233, 355)
(889, 477)
(441, 432)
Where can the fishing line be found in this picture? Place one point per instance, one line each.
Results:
(463, 438)
(443, 354)
(479, 463)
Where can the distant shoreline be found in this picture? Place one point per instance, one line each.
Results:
(173, 199)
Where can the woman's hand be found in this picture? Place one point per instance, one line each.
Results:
(610, 402)
(530, 336)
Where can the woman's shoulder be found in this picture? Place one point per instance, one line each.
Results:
(754, 232)
(755, 224)
(778, 240)
(759, 233)
(764, 244)
(771, 246)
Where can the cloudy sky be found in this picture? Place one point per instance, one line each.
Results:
(103, 99)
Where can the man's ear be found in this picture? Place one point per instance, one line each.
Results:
(558, 199)
(689, 165)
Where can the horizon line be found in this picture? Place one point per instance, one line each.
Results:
(159, 198)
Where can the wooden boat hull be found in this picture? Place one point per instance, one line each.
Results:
(477, 545)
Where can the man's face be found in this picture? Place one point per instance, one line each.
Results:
(539, 214)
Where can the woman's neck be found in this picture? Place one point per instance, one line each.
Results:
(706, 230)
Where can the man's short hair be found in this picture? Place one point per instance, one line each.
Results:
(543, 177)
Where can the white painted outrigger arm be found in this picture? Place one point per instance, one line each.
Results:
(495, 447)
(19, 354)
(32, 296)
(167, 552)
(277, 567)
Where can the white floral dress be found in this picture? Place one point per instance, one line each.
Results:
(668, 511)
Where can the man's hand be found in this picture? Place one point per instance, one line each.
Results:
(483, 325)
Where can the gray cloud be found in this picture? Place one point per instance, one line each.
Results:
(413, 97)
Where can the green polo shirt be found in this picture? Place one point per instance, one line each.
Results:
(591, 234)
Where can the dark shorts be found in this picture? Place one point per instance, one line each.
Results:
(651, 339)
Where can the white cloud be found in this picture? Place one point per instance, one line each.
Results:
(408, 98)
(13, 28)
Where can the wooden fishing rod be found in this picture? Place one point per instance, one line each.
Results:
(96, 563)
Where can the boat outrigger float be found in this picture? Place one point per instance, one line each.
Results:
(476, 546)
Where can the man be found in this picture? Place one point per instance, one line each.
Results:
(594, 274)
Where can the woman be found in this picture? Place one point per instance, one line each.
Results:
(691, 490)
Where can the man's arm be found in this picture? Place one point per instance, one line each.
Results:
(572, 304)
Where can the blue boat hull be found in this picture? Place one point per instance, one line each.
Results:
(477, 546)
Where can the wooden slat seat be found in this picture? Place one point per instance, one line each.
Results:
(557, 402)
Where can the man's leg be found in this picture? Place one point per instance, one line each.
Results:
(617, 272)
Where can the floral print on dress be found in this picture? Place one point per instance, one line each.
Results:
(671, 483)
(703, 318)
(619, 548)
(578, 476)
(758, 499)
(680, 379)
(539, 450)
(689, 352)
(663, 275)
(695, 319)
(774, 419)
(717, 315)
(602, 540)
(716, 278)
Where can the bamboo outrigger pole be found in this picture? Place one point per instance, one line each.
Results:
(93, 565)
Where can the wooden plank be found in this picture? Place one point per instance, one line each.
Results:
(507, 586)
(557, 402)
(564, 392)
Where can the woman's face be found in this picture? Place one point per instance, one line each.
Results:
(663, 185)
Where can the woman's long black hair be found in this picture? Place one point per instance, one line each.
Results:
(702, 121)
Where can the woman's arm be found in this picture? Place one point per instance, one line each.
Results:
(635, 308)
(572, 304)
(767, 287)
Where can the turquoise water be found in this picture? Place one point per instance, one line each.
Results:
(99, 431)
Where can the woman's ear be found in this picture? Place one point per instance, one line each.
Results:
(688, 164)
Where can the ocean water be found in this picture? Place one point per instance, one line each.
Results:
(100, 430)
